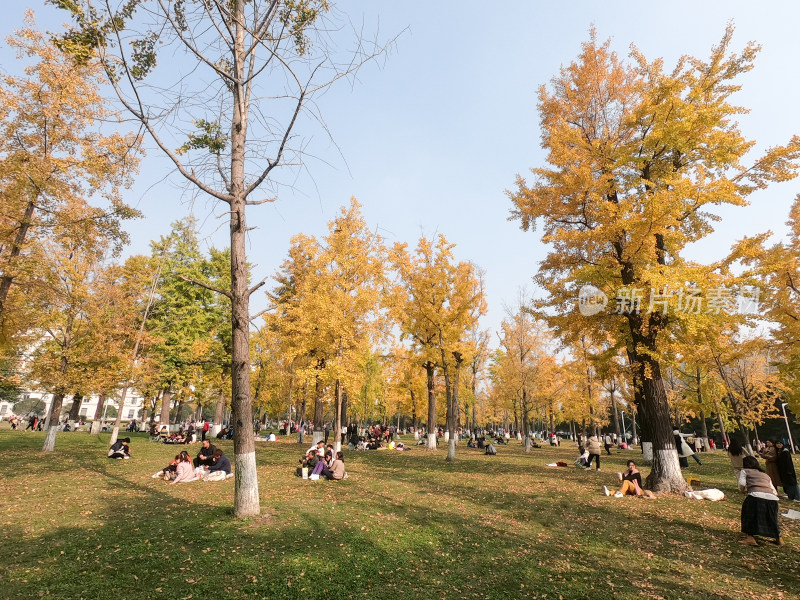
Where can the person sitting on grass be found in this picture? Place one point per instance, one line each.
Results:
(760, 507)
(309, 461)
(120, 449)
(205, 458)
(336, 469)
(170, 468)
(219, 469)
(319, 448)
(174, 438)
(583, 458)
(631, 484)
(184, 473)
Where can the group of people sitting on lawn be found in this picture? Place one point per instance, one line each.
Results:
(210, 464)
(319, 462)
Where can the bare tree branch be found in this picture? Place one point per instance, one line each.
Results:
(205, 285)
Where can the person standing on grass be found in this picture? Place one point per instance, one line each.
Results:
(684, 450)
(594, 448)
(189, 433)
(770, 455)
(206, 427)
(760, 507)
(736, 454)
(786, 471)
(607, 443)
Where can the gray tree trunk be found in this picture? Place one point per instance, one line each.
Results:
(97, 422)
(52, 428)
(166, 400)
(118, 420)
(431, 407)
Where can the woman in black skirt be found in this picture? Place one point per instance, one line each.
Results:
(760, 507)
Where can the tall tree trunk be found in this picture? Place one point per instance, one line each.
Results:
(721, 423)
(75, 409)
(414, 418)
(301, 425)
(16, 249)
(655, 415)
(516, 416)
(474, 417)
(219, 409)
(97, 422)
(337, 421)
(246, 500)
(52, 422)
(614, 411)
(704, 430)
(318, 434)
(448, 402)
(431, 406)
(166, 400)
(150, 297)
(289, 399)
(345, 400)
(178, 410)
(118, 420)
(452, 413)
(526, 426)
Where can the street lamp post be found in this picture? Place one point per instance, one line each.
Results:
(624, 434)
(788, 430)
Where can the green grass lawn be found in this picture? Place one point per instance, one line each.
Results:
(403, 525)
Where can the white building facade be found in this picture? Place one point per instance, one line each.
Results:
(39, 403)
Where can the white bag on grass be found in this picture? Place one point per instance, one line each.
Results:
(712, 494)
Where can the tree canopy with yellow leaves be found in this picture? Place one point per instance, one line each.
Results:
(637, 158)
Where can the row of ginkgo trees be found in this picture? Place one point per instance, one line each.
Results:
(336, 305)
(637, 157)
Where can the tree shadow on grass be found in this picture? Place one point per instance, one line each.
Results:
(399, 529)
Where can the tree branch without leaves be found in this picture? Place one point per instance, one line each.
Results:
(205, 285)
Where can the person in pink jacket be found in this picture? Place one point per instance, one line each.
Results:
(185, 470)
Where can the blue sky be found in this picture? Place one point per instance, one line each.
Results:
(432, 136)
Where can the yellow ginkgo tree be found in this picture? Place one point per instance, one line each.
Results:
(636, 157)
(436, 303)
